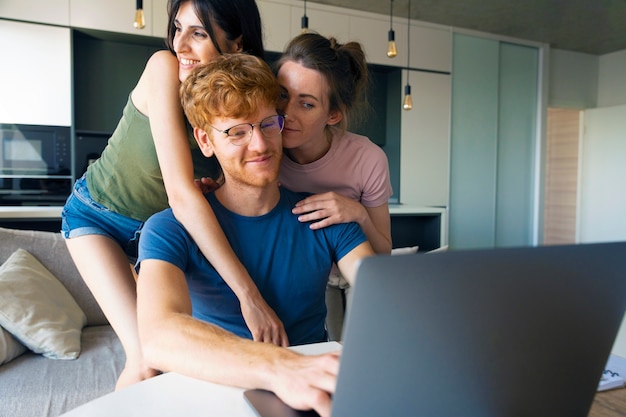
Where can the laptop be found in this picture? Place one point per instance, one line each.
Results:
(501, 332)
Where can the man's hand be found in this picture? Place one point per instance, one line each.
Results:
(330, 208)
(307, 382)
(206, 185)
(263, 323)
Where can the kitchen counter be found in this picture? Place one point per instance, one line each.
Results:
(30, 212)
(50, 212)
(416, 210)
(411, 225)
(424, 226)
(46, 218)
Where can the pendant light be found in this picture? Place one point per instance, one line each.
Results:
(139, 22)
(304, 22)
(392, 51)
(408, 102)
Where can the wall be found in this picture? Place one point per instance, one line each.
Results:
(583, 81)
(573, 80)
(602, 203)
(612, 79)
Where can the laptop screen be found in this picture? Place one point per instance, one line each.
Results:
(504, 332)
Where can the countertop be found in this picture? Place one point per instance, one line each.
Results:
(30, 212)
(53, 212)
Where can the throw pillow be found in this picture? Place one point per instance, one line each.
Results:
(37, 309)
(9, 347)
(405, 251)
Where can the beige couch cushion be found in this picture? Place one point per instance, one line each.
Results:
(37, 309)
(10, 348)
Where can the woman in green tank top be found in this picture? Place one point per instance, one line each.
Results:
(148, 166)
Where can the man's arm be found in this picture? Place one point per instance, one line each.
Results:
(172, 340)
(349, 264)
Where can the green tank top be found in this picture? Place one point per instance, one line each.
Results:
(127, 178)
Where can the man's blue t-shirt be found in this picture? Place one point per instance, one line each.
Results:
(287, 260)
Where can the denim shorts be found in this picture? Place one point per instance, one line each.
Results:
(83, 216)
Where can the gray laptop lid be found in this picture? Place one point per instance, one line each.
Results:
(506, 332)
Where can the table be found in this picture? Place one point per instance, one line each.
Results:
(172, 394)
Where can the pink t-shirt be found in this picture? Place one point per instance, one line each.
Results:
(354, 167)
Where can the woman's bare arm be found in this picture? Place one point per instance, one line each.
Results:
(156, 96)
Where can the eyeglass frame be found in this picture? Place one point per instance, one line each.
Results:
(281, 117)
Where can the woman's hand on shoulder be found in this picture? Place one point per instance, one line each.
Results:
(323, 210)
(206, 185)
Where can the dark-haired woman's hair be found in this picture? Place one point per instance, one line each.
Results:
(344, 67)
(235, 17)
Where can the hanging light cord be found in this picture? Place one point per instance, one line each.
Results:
(408, 44)
(304, 22)
(391, 15)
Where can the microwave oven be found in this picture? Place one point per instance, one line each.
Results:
(35, 164)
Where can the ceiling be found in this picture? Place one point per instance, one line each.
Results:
(594, 27)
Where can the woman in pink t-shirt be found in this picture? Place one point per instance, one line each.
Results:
(323, 86)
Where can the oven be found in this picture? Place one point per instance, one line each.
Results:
(35, 164)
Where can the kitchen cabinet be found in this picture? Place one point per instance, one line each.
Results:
(159, 18)
(37, 92)
(112, 16)
(431, 45)
(328, 21)
(55, 12)
(425, 140)
(418, 226)
(494, 143)
(276, 20)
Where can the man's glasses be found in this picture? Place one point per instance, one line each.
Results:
(240, 135)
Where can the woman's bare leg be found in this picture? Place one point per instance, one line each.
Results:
(105, 269)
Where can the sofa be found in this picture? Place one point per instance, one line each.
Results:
(37, 377)
(77, 357)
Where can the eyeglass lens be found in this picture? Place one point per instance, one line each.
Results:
(270, 126)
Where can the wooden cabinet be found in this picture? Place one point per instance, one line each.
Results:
(38, 92)
(54, 12)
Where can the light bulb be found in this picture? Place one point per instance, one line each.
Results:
(139, 22)
(408, 102)
(392, 51)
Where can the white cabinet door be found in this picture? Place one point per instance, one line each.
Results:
(372, 35)
(425, 141)
(276, 21)
(159, 18)
(330, 22)
(110, 15)
(37, 91)
(56, 12)
(431, 46)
